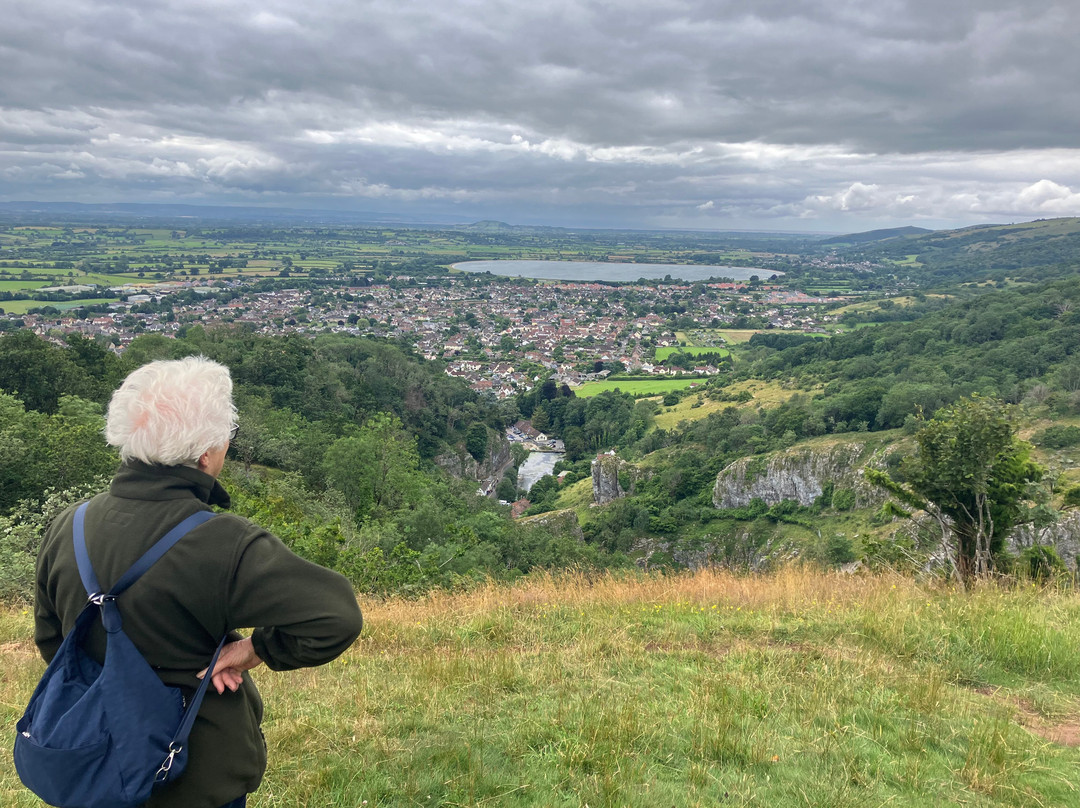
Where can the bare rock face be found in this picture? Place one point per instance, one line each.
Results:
(1063, 536)
(798, 474)
(605, 478)
(461, 464)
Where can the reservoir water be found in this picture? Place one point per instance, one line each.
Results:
(600, 271)
(536, 465)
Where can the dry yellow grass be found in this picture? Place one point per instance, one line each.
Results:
(788, 589)
(765, 394)
(685, 410)
(738, 335)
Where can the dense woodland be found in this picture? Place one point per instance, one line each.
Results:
(335, 453)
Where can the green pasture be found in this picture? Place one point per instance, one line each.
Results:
(636, 388)
(664, 353)
(15, 273)
(907, 260)
(19, 286)
(23, 306)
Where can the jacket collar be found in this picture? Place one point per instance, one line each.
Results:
(138, 480)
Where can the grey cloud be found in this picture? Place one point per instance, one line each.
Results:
(710, 110)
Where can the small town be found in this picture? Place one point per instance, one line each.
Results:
(499, 336)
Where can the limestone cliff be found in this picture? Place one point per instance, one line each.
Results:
(1063, 536)
(462, 464)
(798, 474)
(606, 486)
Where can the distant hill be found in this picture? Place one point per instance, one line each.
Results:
(1027, 252)
(877, 235)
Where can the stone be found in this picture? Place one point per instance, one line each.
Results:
(796, 474)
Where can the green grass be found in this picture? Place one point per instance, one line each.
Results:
(637, 388)
(18, 286)
(664, 353)
(794, 689)
(907, 260)
(23, 306)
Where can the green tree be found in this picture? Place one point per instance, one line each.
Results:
(377, 469)
(476, 441)
(972, 474)
(40, 452)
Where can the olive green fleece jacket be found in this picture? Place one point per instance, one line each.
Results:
(224, 575)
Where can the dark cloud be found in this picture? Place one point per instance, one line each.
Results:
(710, 113)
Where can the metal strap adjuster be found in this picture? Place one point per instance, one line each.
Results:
(162, 774)
(99, 599)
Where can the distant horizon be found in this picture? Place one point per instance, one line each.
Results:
(419, 219)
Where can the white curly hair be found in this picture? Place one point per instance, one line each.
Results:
(170, 412)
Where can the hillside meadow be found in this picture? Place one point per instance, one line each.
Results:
(797, 688)
(634, 387)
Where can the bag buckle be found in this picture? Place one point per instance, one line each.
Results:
(99, 598)
(162, 774)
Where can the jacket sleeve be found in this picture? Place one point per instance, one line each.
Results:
(304, 614)
(48, 628)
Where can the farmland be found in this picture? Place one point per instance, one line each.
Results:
(645, 387)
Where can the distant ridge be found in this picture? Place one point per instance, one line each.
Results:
(1028, 252)
(871, 236)
(489, 224)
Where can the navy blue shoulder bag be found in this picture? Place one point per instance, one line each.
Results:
(103, 736)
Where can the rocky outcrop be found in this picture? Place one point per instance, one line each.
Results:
(606, 486)
(798, 474)
(1063, 536)
(463, 465)
(565, 522)
(738, 551)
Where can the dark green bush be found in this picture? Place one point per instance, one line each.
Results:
(844, 499)
(1042, 563)
(1058, 437)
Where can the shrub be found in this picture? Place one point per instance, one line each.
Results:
(21, 529)
(1058, 437)
(839, 550)
(1042, 563)
(844, 499)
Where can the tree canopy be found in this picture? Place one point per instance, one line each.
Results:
(972, 474)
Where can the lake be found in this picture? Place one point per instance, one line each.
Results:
(536, 465)
(601, 271)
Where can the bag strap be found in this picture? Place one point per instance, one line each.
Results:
(179, 740)
(110, 615)
(145, 562)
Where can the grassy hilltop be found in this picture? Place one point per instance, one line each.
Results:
(797, 688)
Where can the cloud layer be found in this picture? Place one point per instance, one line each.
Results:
(680, 113)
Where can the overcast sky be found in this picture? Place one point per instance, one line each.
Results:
(824, 115)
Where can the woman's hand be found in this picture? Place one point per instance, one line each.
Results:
(235, 658)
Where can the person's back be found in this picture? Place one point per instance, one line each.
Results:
(172, 422)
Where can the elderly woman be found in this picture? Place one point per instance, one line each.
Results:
(172, 421)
